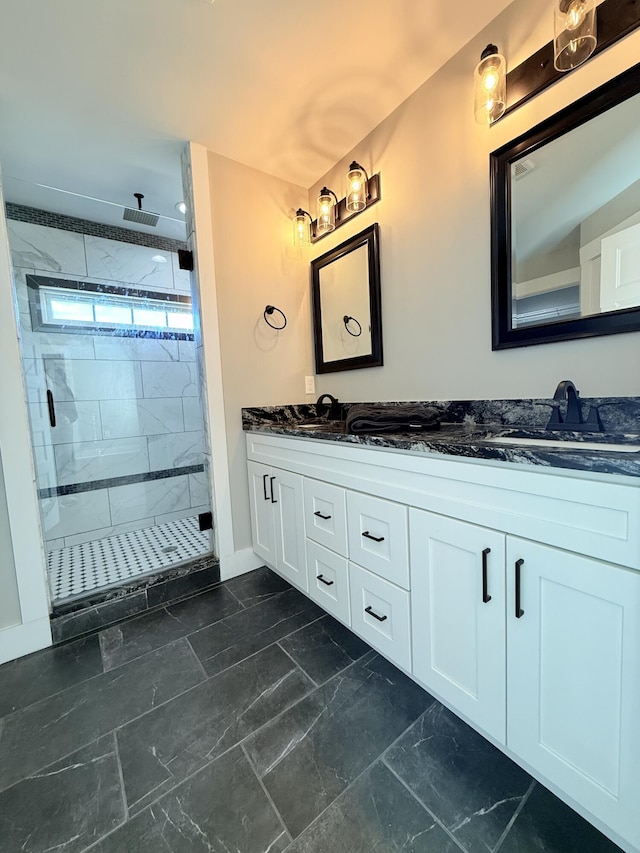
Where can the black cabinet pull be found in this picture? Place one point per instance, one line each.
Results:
(327, 583)
(367, 535)
(52, 408)
(519, 610)
(265, 477)
(486, 598)
(375, 615)
(323, 517)
(273, 500)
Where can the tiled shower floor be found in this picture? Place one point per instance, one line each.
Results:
(78, 569)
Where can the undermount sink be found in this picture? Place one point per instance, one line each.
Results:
(325, 426)
(565, 445)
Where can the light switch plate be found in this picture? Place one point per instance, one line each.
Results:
(309, 384)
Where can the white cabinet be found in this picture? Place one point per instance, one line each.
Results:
(325, 514)
(573, 677)
(457, 610)
(277, 521)
(378, 537)
(329, 581)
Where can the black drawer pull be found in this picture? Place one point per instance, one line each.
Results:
(519, 610)
(273, 500)
(52, 408)
(323, 517)
(375, 615)
(486, 598)
(327, 583)
(265, 477)
(367, 535)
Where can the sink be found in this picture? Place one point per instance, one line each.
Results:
(325, 426)
(564, 445)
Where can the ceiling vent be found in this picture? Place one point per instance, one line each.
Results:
(522, 168)
(140, 216)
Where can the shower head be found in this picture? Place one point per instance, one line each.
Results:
(140, 216)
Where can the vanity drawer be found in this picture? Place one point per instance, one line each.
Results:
(325, 515)
(378, 538)
(380, 613)
(329, 581)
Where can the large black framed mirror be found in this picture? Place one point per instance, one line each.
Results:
(565, 222)
(347, 319)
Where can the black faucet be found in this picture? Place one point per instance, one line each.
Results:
(573, 421)
(335, 409)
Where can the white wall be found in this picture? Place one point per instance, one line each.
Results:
(435, 233)
(9, 600)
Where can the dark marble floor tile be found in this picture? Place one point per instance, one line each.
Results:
(45, 673)
(465, 781)
(308, 755)
(205, 609)
(547, 825)
(129, 640)
(256, 586)
(48, 730)
(324, 648)
(165, 746)
(66, 806)
(375, 815)
(188, 584)
(219, 810)
(93, 618)
(248, 631)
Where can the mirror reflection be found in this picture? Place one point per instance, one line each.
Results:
(346, 305)
(575, 222)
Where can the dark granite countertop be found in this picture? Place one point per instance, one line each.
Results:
(475, 430)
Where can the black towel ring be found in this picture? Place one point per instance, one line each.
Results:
(269, 310)
(346, 320)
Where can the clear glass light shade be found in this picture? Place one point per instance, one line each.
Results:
(575, 36)
(490, 88)
(325, 220)
(356, 194)
(301, 230)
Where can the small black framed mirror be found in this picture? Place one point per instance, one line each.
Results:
(565, 222)
(347, 318)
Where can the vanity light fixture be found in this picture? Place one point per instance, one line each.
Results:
(301, 228)
(327, 206)
(181, 207)
(357, 187)
(490, 86)
(574, 33)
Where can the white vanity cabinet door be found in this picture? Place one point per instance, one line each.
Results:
(291, 560)
(378, 536)
(457, 616)
(325, 515)
(329, 581)
(573, 668)
(262, 527)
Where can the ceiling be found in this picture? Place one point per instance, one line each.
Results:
(99, 96)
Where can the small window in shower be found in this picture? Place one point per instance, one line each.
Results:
(59, 305)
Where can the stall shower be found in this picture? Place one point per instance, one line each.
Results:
(113, 392)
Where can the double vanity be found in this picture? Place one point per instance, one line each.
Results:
(499, 571)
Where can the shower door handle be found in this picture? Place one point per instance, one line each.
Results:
(52, 408)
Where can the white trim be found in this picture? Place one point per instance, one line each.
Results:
(206, 277)
(239, 563)
(19, 640)
(19, 477)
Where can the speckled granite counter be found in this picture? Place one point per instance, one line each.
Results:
(472, 429)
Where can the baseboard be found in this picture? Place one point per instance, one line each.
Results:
(20, 640)
(239, 563)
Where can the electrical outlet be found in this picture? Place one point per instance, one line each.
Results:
(309, 384)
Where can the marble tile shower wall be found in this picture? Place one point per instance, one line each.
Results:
(124, 406)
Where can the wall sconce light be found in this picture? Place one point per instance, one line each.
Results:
(301, 228)
(327, 211)
(490, 86)
(574, 29)
(362, 192)
(357, 192)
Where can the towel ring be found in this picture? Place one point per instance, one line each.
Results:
(269, 310)
(346, 320)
